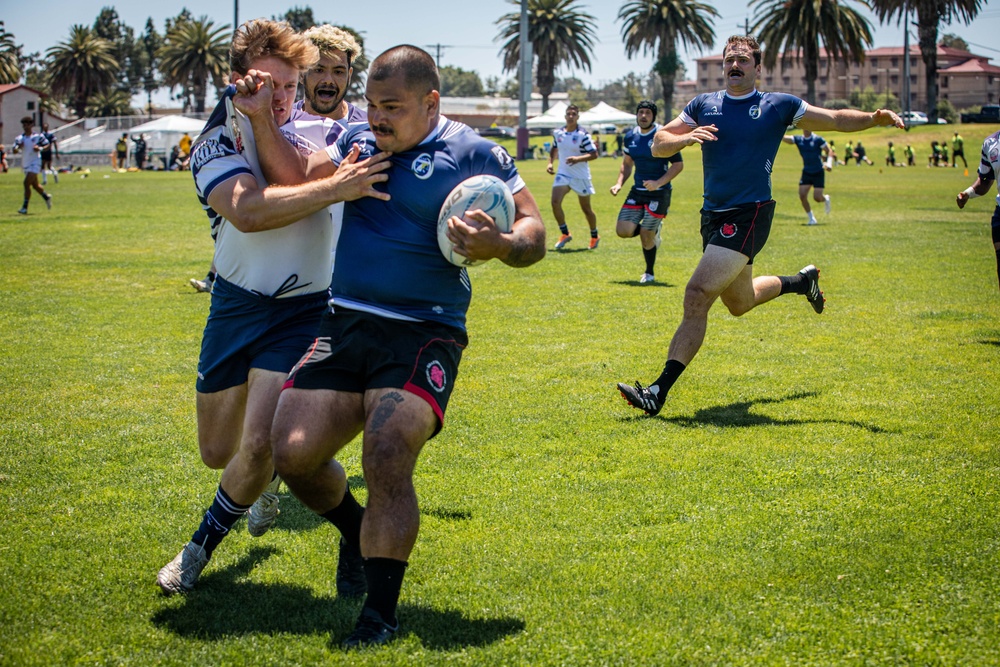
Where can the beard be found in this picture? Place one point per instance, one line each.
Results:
(324, 100)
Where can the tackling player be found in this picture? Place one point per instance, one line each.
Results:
(649, 199)
(739, 130)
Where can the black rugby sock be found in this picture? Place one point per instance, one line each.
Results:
(564, 229)
(671, 371)
(797, 284)
(650, 256)
(347, 518)
(385, 579)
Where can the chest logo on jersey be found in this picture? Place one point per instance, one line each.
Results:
(714, 112)
(436, 377)
(422, 166)
(728, 230)
(755, 112)
(994, 153)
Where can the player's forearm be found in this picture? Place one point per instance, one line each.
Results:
(278, 206)
(280, 162)
(527, 243)
(666, 144)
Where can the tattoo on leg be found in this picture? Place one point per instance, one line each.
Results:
(386, 408)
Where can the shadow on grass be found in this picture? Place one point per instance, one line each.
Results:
(990, 341)
(636, 283)
(738, 415)
(226, 605)
(296, 516)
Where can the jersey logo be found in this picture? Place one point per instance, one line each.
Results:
(436, 376)
(755, 112)
(205, 152)
(423, 166)
(714, 112)
(653, 205)
(728, 230)
(502, 156)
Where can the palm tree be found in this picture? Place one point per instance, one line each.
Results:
(658, 25)
(930, 14)
(110, 102)
(10, 71)
(81, 67)
(559, 33)
(193, 52)
(796, 28)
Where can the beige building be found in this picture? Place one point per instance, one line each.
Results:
(964, 79)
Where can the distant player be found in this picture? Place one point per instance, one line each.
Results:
(572, 148)
(986, 175)
(814, 152)
(50, 149)
(958, 150)
(30, 145)
(739, 130)
(649, 199)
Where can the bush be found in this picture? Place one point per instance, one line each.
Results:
(946, 110)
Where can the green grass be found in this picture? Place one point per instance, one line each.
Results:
(819, 489)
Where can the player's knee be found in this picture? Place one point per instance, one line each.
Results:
(697, 300)
(214, 456)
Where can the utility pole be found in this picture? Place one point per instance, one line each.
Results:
(524, 75)
(906, 63)
(437, 50)
(236, 15)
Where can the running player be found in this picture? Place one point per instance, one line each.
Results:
(30, 145)
(573, 149)
(649, 199)
(47, 151)
(739, 130)
(814, 151)
(988, 172)
(388, 351)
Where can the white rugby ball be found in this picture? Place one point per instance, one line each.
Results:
(488, 193)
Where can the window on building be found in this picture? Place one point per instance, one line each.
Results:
(822, 81)
(874, 62)
(894, 61)
(944, 82)
(874, 81)
(769, 80)
(894, 79)
(786, 80)
(31, 105)
(704, 83)
(718, 81)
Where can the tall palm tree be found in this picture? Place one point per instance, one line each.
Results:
(559, 33)
(81, 67)
(658, 25)
(10, 71)
(796, 28)
(930, 14)
(193, 53)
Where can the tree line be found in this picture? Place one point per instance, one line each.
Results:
(98, 69)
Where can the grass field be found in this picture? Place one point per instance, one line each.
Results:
(819, 490)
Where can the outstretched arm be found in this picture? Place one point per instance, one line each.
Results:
(977, 189)
(847, 120)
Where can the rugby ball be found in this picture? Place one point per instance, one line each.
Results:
(486, 192)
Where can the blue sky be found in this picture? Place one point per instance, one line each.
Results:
(466, 34)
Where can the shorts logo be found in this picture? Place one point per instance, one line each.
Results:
(755, 112)
(728, 230)
(436, 377)
(423, 166)
(653, 205)
(630, 201)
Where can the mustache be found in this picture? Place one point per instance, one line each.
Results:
(382, 129)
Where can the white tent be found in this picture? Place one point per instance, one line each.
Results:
(554, 117)
(175, 124)
(605, 114)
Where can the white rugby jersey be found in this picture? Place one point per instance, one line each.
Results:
(569, 144)
(290, 261)
(31, 160)
(989, 162)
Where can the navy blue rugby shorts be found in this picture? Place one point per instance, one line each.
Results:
(246, 330)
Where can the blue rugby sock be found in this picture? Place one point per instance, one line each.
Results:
(217, 521)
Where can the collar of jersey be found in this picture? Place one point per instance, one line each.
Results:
(742, 97)
(435, 132)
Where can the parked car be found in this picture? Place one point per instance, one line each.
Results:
(498, 131)
(990, 113)
(911, 118)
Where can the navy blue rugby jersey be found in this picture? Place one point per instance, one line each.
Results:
(811, 150)
(388, 259)
(639, 147)
(738, 166)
